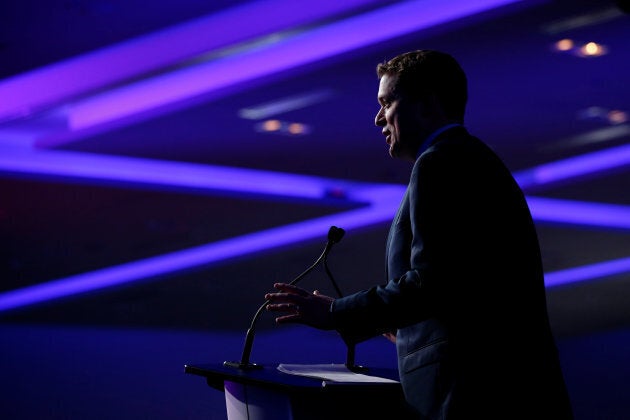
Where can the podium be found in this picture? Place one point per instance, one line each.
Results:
(267, 393)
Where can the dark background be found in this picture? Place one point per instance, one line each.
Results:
(120, 351)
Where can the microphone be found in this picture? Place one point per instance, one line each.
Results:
(334, 236)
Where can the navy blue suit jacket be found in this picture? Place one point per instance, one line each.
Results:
(464, 292)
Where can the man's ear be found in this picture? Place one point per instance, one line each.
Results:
(432, 107)
(434, 104)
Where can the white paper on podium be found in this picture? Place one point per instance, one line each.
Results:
(331, 372)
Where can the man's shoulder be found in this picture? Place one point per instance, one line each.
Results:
(458, 141)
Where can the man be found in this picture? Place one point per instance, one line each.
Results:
(464, 291)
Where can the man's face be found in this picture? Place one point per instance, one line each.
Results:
(403, 120)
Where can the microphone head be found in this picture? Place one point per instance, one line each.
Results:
(335, 234)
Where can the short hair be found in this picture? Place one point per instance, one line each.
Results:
(425, 72)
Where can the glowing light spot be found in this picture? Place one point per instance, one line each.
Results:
(296, 128)
(564, 45)
(618, 117)
(592, 49)
(272, 125)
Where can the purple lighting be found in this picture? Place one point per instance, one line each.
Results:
(380, 202)
(28, 92)
(587, 272)
(580, 213)
(303, 48)
(595, 162)
(178, 175)
(189, 80)
(206, 255)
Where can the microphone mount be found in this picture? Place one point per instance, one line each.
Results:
(334, 235)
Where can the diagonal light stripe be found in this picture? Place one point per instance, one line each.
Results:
(178, 87)
(596, 162)
(196, 257)
(286, 104)
(580, 213)
(65, 80)
(380, 201)
(587, 272)
(174, 175)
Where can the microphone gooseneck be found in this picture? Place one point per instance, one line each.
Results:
(330, 276)
(334, 235)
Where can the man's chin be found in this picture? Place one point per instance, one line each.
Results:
(393, 152)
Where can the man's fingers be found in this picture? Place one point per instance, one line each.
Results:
(287, 288)
(292, 309)
(283, 297)
(283, 307)
(287, 319)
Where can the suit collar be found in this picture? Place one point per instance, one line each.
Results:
(433, 136)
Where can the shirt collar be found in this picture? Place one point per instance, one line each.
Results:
(427, 142)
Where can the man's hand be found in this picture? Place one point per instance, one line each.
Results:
(300, 306)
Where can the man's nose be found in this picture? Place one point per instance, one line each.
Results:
(379, 120)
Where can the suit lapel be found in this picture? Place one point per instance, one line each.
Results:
(392, 228)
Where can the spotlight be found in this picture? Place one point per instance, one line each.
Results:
(295, 128)
(271, 125)
(564, 45)
(618, 117)
(283, 127)
(592, 49)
